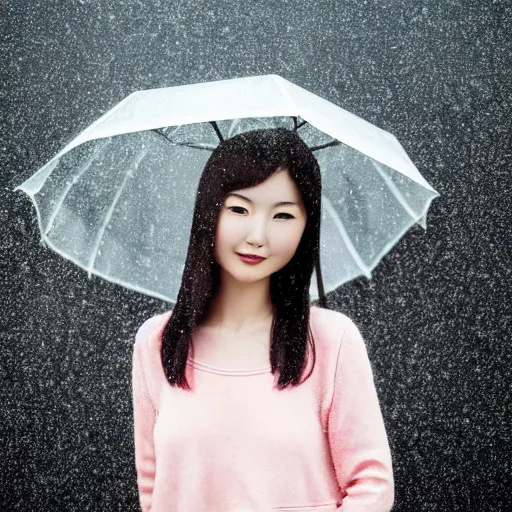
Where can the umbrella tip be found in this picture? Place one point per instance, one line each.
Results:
(279, 77)
(422, 221)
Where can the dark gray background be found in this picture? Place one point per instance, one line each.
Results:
(436, 316)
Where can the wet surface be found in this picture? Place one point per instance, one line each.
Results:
(436, 314)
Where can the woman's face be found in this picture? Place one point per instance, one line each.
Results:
(258, 225)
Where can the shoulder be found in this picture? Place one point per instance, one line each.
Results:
(330, 324)
(333, 330)
(151, 328)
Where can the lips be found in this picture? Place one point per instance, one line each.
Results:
(251, 258)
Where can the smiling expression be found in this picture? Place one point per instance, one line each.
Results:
(267, 220)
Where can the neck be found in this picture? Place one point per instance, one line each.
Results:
(240, 306)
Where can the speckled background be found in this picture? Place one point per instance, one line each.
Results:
(436, 316)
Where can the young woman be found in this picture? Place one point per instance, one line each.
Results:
(246, 398)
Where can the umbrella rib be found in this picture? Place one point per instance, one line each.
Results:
(346, 239)
(328, 145)
(57, 208)
(108, 215)
(296, 124)
(176, 128)
(217, 131)
(162, 134)
(394, 189)
(187, 144)
(192, 145)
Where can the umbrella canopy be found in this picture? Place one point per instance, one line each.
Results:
(118, 200)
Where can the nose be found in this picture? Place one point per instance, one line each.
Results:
(257, 232)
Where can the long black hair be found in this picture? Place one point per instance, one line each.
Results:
(244, 161)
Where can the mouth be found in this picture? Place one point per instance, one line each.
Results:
(251, 258)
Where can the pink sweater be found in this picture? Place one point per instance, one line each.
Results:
(235, 444)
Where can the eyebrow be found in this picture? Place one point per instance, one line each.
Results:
(282, 203)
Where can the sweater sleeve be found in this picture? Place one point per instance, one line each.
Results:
(144, 417)
(356, 432)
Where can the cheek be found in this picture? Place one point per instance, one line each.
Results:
(286, 244)
(227, 234)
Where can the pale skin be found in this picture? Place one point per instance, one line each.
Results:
(238, 322)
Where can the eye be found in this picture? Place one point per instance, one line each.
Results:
(235, 207)
(232, 208)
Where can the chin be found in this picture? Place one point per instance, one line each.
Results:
(248, 277)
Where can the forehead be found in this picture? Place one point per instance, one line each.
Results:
(278, 186)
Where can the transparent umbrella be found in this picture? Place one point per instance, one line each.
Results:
(118, 200)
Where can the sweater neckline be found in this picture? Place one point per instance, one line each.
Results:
(225, 371)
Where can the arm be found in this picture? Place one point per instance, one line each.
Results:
(356, 432)
(144, 416)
